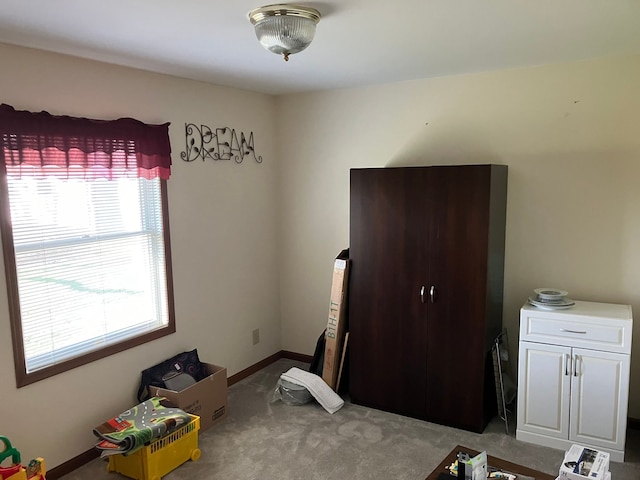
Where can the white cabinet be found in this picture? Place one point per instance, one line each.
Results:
(573, 376)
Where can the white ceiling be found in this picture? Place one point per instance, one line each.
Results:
(358, 42)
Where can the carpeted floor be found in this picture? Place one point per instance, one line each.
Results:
(267, 440)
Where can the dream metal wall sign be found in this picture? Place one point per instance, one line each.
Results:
(222, 143)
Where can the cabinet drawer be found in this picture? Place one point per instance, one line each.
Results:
(580, 326)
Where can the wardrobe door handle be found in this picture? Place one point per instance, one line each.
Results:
(575, 368)
(422, 294)
(567, 368)
(432, 294)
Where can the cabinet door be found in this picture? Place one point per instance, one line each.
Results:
(457, 319)
(387, 320)
(544, 383)
(599, 395)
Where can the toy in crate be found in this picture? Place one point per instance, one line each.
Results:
(35, 470)
(160, 456)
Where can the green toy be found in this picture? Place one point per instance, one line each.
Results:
(9, 450)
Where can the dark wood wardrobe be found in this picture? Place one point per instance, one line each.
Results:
(425, 290)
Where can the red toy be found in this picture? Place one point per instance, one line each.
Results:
(35, 470)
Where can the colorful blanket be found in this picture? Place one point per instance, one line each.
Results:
(134, 428)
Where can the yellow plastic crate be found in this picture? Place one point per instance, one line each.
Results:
(161, 456)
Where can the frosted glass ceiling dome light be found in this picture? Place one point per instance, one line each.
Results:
(285, 29)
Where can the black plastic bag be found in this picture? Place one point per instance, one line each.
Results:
(186, 362)
(317, 362)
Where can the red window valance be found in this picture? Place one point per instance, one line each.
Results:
(45, 144)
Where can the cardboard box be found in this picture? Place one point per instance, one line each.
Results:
(472, 468)
(334, 337)
(584, 463)
(207, 398)
(606, 477)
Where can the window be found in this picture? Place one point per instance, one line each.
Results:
(85, 237)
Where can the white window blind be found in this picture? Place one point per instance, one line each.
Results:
(90, 263)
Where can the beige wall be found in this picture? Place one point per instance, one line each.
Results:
(569, 133)
(223, 241)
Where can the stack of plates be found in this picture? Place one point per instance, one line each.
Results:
(551, 299)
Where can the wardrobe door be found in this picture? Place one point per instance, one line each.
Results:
(389, 267)
(456, 332)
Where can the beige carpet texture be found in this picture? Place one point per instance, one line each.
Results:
(270, 440)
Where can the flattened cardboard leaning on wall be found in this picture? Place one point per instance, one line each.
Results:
(336, 323)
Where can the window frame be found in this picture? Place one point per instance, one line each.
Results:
(6, 234)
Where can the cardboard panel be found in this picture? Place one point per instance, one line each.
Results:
(334, 337)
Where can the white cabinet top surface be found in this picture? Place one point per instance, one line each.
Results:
(598, 326)
(588, 309)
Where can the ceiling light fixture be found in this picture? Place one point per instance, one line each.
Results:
(285, 29)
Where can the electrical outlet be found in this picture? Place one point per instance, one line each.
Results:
(256, 336)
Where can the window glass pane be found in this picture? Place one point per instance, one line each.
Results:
(90, 263)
